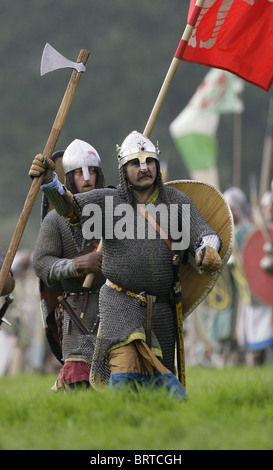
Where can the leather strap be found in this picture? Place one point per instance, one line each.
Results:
(73, 315)
(142, 297)
(151, 220)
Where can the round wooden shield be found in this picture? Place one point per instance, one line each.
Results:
(213, 207)
(260, 282)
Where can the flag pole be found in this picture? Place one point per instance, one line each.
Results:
(237, 149)
(173, 67)
(267, 153)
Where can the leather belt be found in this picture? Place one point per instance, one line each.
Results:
(142, 297)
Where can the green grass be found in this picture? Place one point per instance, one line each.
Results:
(226, 409)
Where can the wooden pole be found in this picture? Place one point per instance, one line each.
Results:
(173, 68)
(36, 183)
(237, 149)
(161, 97)
(267, 153)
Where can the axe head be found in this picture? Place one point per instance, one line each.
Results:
(8, 300)
(3, 320)
(53, 60)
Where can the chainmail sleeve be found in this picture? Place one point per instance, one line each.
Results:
(49, 246)
(102, 201)
(56, 241)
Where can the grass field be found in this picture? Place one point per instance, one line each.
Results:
(226, 409)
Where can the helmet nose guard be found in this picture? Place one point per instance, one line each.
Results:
(80, 154)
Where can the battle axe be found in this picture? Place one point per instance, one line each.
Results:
(51, 60)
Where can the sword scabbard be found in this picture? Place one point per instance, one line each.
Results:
(73, 315)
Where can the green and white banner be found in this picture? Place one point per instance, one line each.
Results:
(194, 129)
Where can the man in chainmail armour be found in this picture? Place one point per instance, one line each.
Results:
(137, 319)
(62, 255)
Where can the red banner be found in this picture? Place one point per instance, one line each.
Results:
(234, 35)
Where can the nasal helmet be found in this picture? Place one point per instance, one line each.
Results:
(137, 145)
(80, 154)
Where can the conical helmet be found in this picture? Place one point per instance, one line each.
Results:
(80, 154)
(235, 197)
(237, 201)
(136, 145)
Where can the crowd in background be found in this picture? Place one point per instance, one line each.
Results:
(23, 343)
(232, 326)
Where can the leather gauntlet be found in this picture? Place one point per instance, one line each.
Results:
(42, 165)
(208, 260)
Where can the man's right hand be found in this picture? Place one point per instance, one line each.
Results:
(42, 165)
(88, 263)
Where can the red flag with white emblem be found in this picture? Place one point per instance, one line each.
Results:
(234, 35)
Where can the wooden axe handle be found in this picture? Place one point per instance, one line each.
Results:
(90, 277)
(36, 183)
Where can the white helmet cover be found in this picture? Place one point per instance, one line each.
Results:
(80, 154)
(136, 145)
